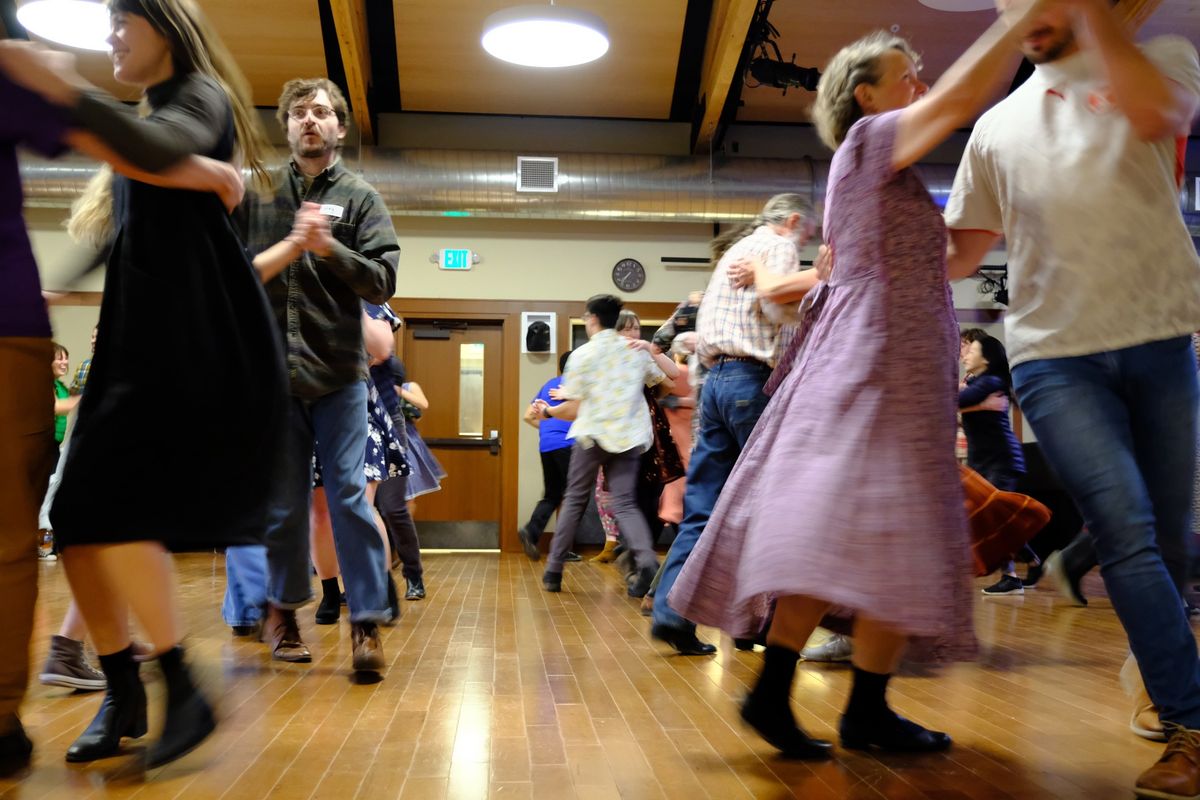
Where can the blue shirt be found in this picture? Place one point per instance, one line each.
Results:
(552, 433)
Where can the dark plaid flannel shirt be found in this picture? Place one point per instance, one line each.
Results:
(318, 301)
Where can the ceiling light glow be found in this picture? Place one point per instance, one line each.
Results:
(545, 36)
(82, 24)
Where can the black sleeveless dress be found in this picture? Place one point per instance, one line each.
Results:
(185, 403)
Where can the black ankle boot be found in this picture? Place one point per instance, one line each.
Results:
(189, 717)
(122, 711)
(393, 602)
(869, 722)
(331, 602)
(768, 708)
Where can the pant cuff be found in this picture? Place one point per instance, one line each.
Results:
(290, 606)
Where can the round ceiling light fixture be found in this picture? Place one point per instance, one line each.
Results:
(545, 36)
(960, 5)
(82, 24)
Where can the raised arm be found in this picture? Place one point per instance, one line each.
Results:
(965, 88)
(1156, 105)
(197, 173)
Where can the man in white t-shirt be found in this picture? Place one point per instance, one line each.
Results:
(1079, 170)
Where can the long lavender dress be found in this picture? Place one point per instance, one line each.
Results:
(848, 489)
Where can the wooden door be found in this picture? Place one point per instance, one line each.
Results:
(458, 364)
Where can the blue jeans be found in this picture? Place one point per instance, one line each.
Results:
(245, 585)
(730, 405)
(336, 425)
(1119, 428)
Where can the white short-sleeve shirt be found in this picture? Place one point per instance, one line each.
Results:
(1099, 257)
(606, 376)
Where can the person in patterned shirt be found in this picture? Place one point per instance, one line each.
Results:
(739, 340)
(603, 390)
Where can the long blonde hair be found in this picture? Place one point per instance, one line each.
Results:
(195, 47)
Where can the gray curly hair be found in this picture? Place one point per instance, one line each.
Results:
(836, 109)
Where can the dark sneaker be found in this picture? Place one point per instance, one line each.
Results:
(573, 556)
(1032, 576)
(552, 581)
(66, 665)
(1067, 585)
(415, 589)
(530, 544)
(1008, 585)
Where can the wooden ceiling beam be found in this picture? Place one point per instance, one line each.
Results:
(350, 21)
(1134, 13)
(727, 29)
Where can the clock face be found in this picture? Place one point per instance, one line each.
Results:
(629, 275)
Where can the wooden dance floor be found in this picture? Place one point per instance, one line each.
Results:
(497, 689)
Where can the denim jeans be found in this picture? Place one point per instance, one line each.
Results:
(245, 585)
(336, 425)
(1119, 429)
(730, 406)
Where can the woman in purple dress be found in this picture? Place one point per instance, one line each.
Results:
(847, 495)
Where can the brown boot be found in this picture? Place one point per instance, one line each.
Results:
(1176, 776)
(368, 651)
(281, 632)
(606, 555)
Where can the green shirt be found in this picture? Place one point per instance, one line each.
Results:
(61, 392)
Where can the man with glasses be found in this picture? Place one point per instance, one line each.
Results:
(324, 244)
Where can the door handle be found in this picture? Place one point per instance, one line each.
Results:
(492, 445)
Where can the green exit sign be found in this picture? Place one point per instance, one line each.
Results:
(455, 259)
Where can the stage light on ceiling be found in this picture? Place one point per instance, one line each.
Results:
(545, 36)
(82, 24)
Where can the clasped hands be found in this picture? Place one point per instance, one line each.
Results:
(311, 231)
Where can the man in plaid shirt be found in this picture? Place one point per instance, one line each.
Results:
(323, 244)
(739, 339)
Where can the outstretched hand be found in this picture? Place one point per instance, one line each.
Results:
(49, 73)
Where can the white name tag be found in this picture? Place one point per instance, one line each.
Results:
(330, 210)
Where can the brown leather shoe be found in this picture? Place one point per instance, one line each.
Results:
(368, 652)
(1176, 776)
(282, 633)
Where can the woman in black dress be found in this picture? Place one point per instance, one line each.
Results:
(178, 281)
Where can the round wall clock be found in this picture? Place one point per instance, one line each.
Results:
(629, 275)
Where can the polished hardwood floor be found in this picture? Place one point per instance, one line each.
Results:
(497, 689)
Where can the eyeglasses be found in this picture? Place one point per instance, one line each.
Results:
(320, 112)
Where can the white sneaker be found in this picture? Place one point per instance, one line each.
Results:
(837, 648)
(1144, 720)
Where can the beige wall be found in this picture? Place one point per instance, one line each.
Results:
(533, 260)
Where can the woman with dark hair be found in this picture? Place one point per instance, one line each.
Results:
(117, 514)
(992, 449)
